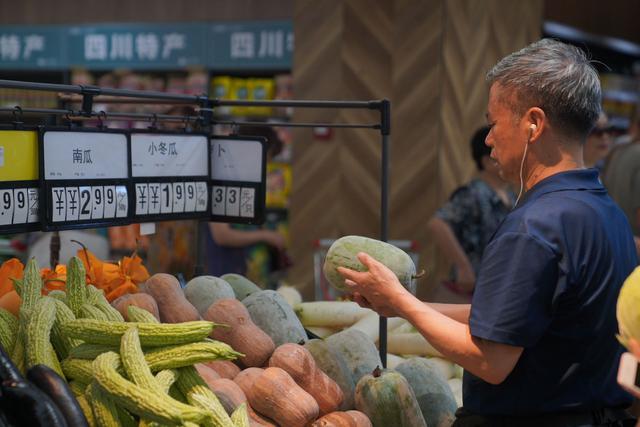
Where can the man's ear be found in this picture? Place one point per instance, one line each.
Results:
(536, 122)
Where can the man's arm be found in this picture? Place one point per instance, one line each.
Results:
(448, 243)
(457, 312)
(224, 235)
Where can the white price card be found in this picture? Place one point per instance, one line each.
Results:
(33, 215)
(166, 155)
(178, 197)
(6, 207)
(122, 201)
(218, 197)
(247, 202)
(236, 160)
(97, 207)
(154, 198)
(86, 203)
(73, 204)
(21, 205)
(232, 204)
(202, 196)
(59, 204)
(190, 196)
(166, 198)
(109, 201)
(85, 155)
(142, 199)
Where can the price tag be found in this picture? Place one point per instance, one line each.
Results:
(86, 178)
(238, 169)
(19, 185)
(170, 172)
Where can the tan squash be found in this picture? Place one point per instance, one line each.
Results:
(276, 395)
(142, 300)
(343, 419)
(242, 334)
(224, 368)
(247, 377)
(172, 304)
(299, 363)
(206, 372)
(231, 396)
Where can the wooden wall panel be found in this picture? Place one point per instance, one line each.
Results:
(429, 57)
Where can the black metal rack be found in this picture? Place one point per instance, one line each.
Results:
(206, 120)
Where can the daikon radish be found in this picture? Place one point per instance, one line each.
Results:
(370, 325)
(393, 360)
(403, 328)
(456, 388)
(321, 331)
(411, 343)
(333, 314)
(290, 294)
(447, 368)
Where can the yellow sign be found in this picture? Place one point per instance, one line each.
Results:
(18, 155)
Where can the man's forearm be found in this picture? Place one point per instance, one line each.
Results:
(457, 312)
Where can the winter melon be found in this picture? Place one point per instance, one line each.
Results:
(271, 313)
(358, 351)
(202, 291)
(343, 253)
(242, 287)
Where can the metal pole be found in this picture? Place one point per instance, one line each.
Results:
(385, 125)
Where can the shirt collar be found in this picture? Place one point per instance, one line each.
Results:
(577, 179)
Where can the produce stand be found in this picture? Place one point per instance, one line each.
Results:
(53, 198)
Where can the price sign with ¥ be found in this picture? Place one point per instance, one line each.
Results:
(170, 174)
(86, 178)
(19, 184)
(238, 179)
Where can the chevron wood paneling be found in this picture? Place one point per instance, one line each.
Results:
(429, 58)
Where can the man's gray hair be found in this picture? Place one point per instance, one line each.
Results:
(556, 77)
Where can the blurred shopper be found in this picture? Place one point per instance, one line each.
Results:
(464, 225)
(621, 176)
(598, 143)
(538, 341)
(228, 246)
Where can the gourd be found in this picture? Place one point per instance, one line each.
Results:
(276, 395)
(247, 377)
(224, 368)
(271, 313)
(298, 362)
(242, 287)
(202, 291)
(141, 300)
(358, 351)
(437, 402)
(242, 334)
(334, 365)
(343, 419)
(388, 400)
(343, 253)
(172, 304)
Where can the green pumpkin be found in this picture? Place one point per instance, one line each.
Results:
(242, 287)
(388, 400)
(334, 365)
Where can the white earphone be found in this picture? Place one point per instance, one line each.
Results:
(532, 128)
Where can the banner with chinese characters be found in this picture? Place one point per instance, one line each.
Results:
(85, 181)
(217, 46)
(170, 175)
(19, 185)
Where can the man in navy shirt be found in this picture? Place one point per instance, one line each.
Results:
(538, 341)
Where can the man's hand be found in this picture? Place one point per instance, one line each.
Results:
(378, 288)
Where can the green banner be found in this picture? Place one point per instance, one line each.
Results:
(34, 47)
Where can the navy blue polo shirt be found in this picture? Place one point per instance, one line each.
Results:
(548, 282)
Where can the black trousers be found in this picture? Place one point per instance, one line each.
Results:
(595, 418)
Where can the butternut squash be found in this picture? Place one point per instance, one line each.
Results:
(242, 334)
(141, 300)
(224, 368)
(300, 365)
(206, 372)
(276, 395)
(172, 304)
(343, 419)
(388, 400)
(247, 377)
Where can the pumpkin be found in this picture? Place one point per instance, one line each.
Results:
(276, 395)
(141, 300)
(437, 402)
(343, 419)
(334, 365)
(358, 351)
(247, 377)
(231, 396)
(271, 313)
(206, 372)
(388, 400)
(343, 253)
(172, 305)
(242, 334)
(242, 287)
(299, 363)
(202, 291)
(224, 368)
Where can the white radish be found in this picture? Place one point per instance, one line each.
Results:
(393, 360)
(321, 331)
(411, 343)
(290, 294)
(370, 325)
(332, 314)
(456, 388)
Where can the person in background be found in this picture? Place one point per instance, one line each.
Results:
(598, 143)
(464, 225)
(537, 343)
(228, 245)
(621, 177)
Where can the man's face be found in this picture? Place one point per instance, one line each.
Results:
(506, 138)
